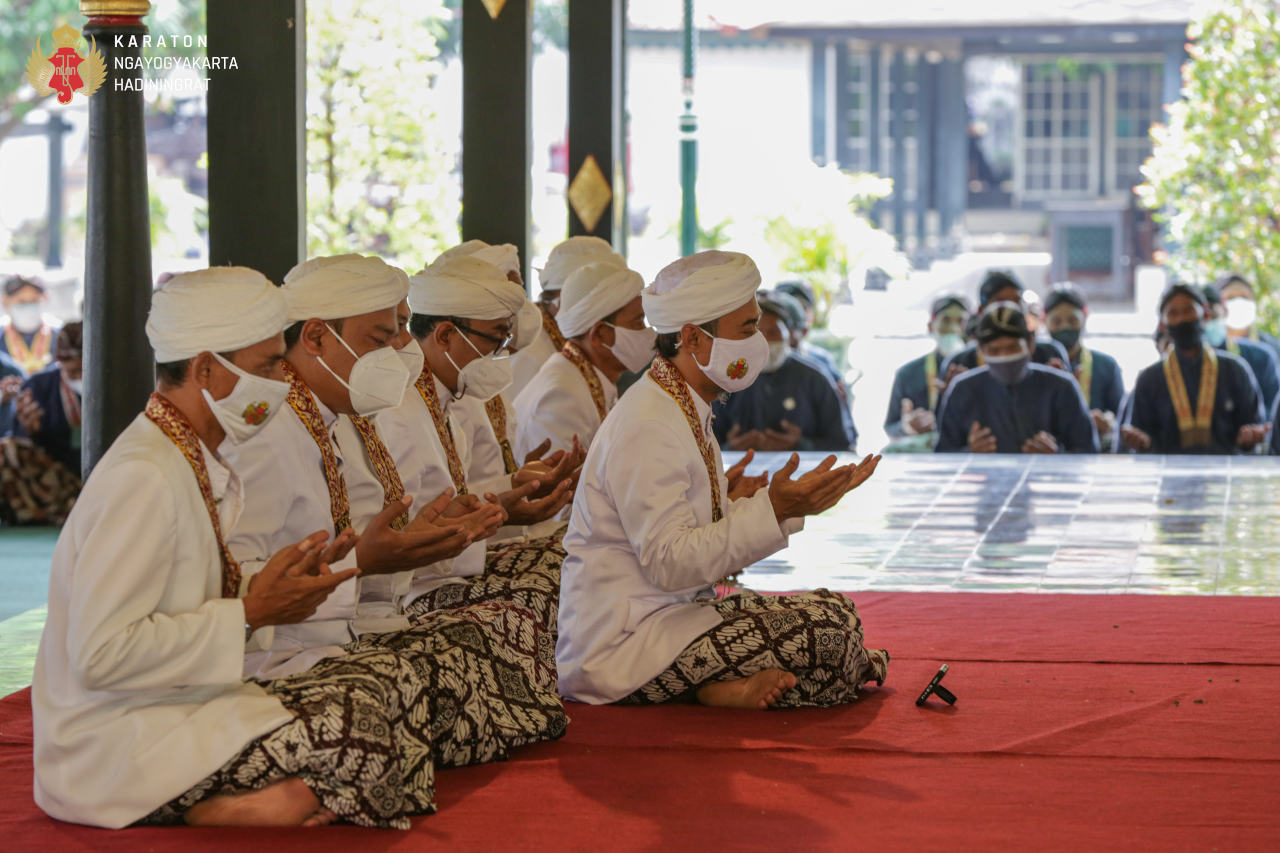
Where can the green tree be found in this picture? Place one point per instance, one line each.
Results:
(1214, 174)
(378, 176)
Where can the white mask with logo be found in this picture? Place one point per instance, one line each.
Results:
(252, 403)
(633, 347)
(377, 378)
(734, 365)
(485, 377)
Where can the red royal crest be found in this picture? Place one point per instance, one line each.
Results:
(736, 369)
(256, 413)
(60, 72)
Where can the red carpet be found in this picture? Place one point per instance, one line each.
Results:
(1083, 723)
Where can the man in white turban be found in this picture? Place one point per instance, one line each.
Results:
(141, 714)
(325, 463)
(464, 311)
(649, 539)
(602, 320)
(561, 262)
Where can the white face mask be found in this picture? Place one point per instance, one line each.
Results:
(377, 378)
(1241, 313)
(778, 352)
(76, 385)
(414, 361)
(485, 377)
(734, 365)
(26, 316)
(949, 344)
(633, 347)
(251, 404)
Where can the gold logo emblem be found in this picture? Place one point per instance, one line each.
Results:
(61, 71)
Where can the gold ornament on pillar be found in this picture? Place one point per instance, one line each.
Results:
(114, 8)
(589, 193)
(494, 7)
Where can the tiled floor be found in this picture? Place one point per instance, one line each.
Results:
(1175, 525)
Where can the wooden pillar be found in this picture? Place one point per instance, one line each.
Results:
(926, 111)
(952, 146)
(496, 54)
(257, 136)
(118, 361)
(818, 102)
(898, 130)
(597, 119)
(843, 109)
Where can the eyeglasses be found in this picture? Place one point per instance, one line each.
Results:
(503, 344)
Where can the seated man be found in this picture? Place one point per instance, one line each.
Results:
(1010, 405)
(561, 262)
(140, 711)
(603, 323)
(1260, 358)
(916, 388)
(655, 525)
(40, 462)
(26, 332)
(1097, 373)
(791, 406)
(1001, 286)
(800, 325)
(1194, 400)
(1242, 311)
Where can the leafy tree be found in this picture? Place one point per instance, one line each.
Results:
(1214, 174)
(378, 177)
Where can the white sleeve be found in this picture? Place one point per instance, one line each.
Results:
(127, 553)
(558, 414)
(674, 551)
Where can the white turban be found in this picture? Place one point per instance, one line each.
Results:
(342, 286)
(464, 287)
(222, 309)
(504, 256)
(571, 254)
(528, 325)
(594, 292)
(698, 289)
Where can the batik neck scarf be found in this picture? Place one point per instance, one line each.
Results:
(669, 379)
(179, 430)
(1084, 372)
(30, 358)
(551, 328)
(304, 405)
(383, 465)
(426, 386)
(931, 379)
(497, 412)
(1194, 428)
(573, 352)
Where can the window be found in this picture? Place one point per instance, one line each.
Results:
(1059, 132)
(1138, 92)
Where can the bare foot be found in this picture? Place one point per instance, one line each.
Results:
(322, 817)
(755, 692)
(288, 802)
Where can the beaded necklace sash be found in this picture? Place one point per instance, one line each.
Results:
(931, 379)
(1194, 429)
(497, 412)
(179, 430)
(33, 358)
(301, 401)
(426, 386)
(551, 328)
(669, 379)
(573, 352)
(383, 465)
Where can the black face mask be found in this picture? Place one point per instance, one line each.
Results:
(1067, 337)
(1186, 335)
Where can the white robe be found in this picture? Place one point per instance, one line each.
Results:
(286, 500)
(137, 691)
(643, 551)
(410, 436)
(557, 405)
(485, 454)
(526, 363)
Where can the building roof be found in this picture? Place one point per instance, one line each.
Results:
(907, 14)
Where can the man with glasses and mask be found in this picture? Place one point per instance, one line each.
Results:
(1195, 399)
(656, 523)
(561, 262)
(793, 405)
(605, 335)
(26, 333)
(1097, 374)
(913, 402)
(1011, 405)
(325, 463)
(1261, 360)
